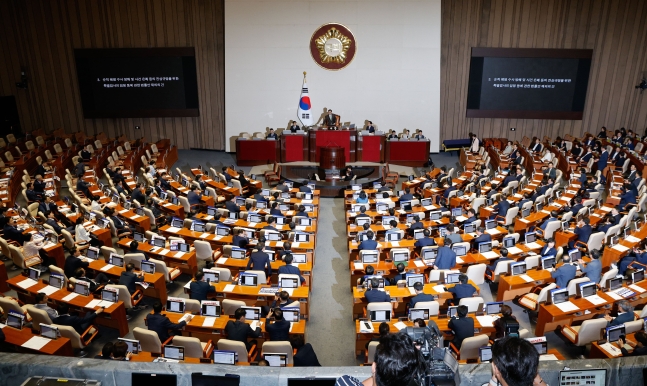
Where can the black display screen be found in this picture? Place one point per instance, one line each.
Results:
(528, 83)
(138, 82)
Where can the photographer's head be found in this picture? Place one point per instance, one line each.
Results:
(397, 361)
(514, 361)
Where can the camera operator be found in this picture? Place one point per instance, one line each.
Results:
(397, 362)
(514, 363)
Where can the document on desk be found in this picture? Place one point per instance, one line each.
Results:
(145, 285)
(613, 295)
(548, 357)
(489, 255)
(567, 307)
(493, 231)
(386, 227)
(412, 291)
(595, 300)
(26, 283)
(36, 343)
(209, 321)
(222, 261)
(632, 239)
(296, 244)
(300, 227)
(290, 291)
(419, 263)
(229, 288)
(397, 244)
(268, 290)
(218, 237)
(487, 320)
(459, 260)
(620, 248)
(178, 254)
(358, 266)
(527, 278)
(105, 304)
(107, 267)
(48, 290)
(164, 252)
(611, 349)
(399, 325)
(70, 297)
(254, 325)
(514, 250)
(204, 235)
(93, 303)
(439, 288)
(637, 288)
(123, 211)
(173, 229)
(606, 208)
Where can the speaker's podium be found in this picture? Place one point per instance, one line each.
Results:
(332, 149)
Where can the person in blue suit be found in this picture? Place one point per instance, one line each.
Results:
(543, 187)
(526, 198)
(374, 295)
(471, 217)
(501, 208)
(426, 241)
(635, 255)
(447, 191)
(288, 268)
(200, 289)
(603, 160)
(628, 196)
(362, 198)
(462, 290)
(407, 196)
(508, 179)
(592, 270)
(420, 296)
(565, 273)
(446, 258)
(625, 314)
(551, 218)
(77, 323)
(369, 244)
(583, 232)
(481, 237)
(504, 257)
(259, 260)
(548, 249)
(161, 324)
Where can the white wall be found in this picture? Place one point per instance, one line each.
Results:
(394, 79)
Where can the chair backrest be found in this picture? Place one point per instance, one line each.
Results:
(281, 347)
(149, 340)
(17, 257)
(234, 345)
(161, 267)
(608, 275)
(122, 294)
(432, 306)
(543, 294)
(630, 327)
(192, 306)
(379, 306)
(470, 346)
(71, 334)
(590, 331)
(532, 261)
(185, 203)
(192, 346)
(434, 274)
(595, 241)
(106, 251)
(9, 304)
(473, 304)
(134, 258)
(572, 285)
(551, 227)
(203, 250)
(230, 306)
(476, 273)
(370, 355)
(261, 278)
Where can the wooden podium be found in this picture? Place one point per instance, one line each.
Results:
(332, 160)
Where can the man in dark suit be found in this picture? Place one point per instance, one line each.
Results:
(330, 120)
(369, 244)
(280, 329)
(77, 323)
(129, 278)
(603, 160)
(42, 169)
(426, 241)
(632, 173)
(502, 207)
(481, 237)
(138, 194)
(508, 179)
(639, 349)
(99, 279)
(583, 232)
(231, 205)
(370, 128)
(592, 270)
(193, 196)
(446, 258)
(374, 295)
(47, 206)
(305, 189)
(420, 296)
(275, 211)
(587, 156)
(551, 172)
(305, 355)
(73, 263)
(551, 218)
(471, 216)
(200, 288)
(407, 196)
(576, 208)
(548, 249)
(12, 233)
(625, 314)
(289, 269)
(504, 257)
(33, 195)
(239, 330)
(463, 327)
(39, 184)
(628, 196)
(79, 169)
(565, 273)
(271, 135)
(161, 324)
(240, 240)
(525, 199)
(452, 236)
(258, 260)
(293, 127)
(462, 289)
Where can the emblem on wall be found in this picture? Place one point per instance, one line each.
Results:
(332, 46)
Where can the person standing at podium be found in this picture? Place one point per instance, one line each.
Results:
(271, 135)
(370, 128)
(293, 127)
(330, 120)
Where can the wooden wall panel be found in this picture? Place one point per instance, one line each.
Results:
(614, 29)
(42, 35)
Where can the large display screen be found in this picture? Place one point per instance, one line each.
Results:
(528, 83)
(137, 82)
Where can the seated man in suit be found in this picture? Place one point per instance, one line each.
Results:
(625, 314)
(504, 257)
(637, 255)
(526, 198)
(79, 324)
(401, 275)
(240, 331)
(240, 240)
(129, 278)
(583, 232)
(99, 279)
(369, 244)
(138, 194)
(259, 260)
(565, 273)
(42, 169)
(280, 329)
(451, 236)
(370, 128)
(592, 270)
(301, 212)
(271, 135)
(446, 258)
(161, 324)
(193, 196)
(293, 127)
(420, 296)
(373, 294)
(47, 206)
(628, 196)
(508, 179)
(502, 207)
(39, 184)
(275, 211)
(552, 217)
(199, 288)
(462, 326)
(305, 355)
(12, 233)
(481, 237)
(330, 120)
(123, 228)
(471, 216)
(74, 262)
(548, 249)
(407, 196)
(288, 268)
(462, 289)
(231, 205)
(426, 241)
(639, 349)
(34, 196)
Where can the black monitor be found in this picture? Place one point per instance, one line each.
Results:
(418, 234)
(485, 247)
(360, 221)
(414, 278)
(57, 281)
(442, 231)
(493, 308)
(381, 206)
(34, 274)
(289, 282)
(211, 308)
(586, 289)
(530, 237)
(237, 253)
(180, 247)
(425, 201)
(175, 305)
(485, 354)
(613, 333)
(248, 279)
(457, 212)
(109, 295)
(174, 352)
(559, 295)
(380, 316)
(541, 347)
(157, 379)
(116, 260)
(159, 242)
(429, 254)
(280, 220)
(614, 283)
(490, 224)
(198, 226)
(139, 237)
(370, 257)
(469, 228)
(459, 250)
(518, 268)
(252, 313)
(211, 276)
(435, 215)
(508, 242)
(211, 211)
(393, 236)
(575, 254)
(222, 231)
(637, 276)
(525, 212)
(15, 320)
(547, 262)
(148, 267)
(452, 278)
(254, 217)
(177, 222)
(82, 288)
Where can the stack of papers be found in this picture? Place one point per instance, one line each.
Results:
(107, 267)
(611, 349)
(527, 278)
(533, 246)
(632, 239)
(493, 231)
(105, 304)
(595, 300)
(439, 288)
(48, 290)
(548, 357)
(399, 325)
(620, 248)
(145, 285)
(489, 255)
(209, 321)
(419, 263)
(358, 266)
(229, 288)
(93, 303)
(36, 343)
(173, 229)
(487, 320)
(70, 297)
(567, 307)
(637, 288)
(26, 283)
(185, 318)
(514, 250)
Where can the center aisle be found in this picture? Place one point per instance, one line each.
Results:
(331, 329)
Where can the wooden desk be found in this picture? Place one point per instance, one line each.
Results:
(3, 278)
(237, 265)
(599, 352)
(257, 152)
(550, 316)
(512, 286)
(16, 338)
(157, 281)
(113, 317)
(187, 262)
